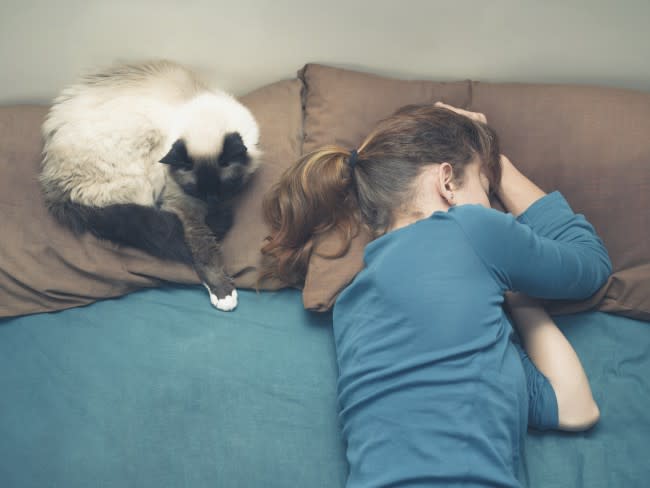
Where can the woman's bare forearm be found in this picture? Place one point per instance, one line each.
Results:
(556, 359)
(516, 191)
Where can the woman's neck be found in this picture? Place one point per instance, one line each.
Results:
(422, 212)
(425, 201)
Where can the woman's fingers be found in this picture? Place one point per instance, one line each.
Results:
(477, 116)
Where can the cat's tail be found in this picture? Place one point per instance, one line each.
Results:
(157, 232)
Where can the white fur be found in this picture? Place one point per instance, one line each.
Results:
(226, 304)
(105, 135)
(196, 124)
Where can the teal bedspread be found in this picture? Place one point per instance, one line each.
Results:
(157, 389)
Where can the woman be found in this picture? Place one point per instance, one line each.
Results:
(432, 390)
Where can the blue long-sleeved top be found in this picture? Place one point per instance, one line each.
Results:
(432, 390)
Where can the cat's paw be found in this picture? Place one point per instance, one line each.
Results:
(226, 304)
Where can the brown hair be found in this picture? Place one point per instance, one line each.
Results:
(322, 192)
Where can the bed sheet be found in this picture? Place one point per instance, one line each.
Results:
(158, 389)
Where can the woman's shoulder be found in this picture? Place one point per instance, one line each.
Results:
(483, 225)
(473, 209)
(475, 214)
(479, 217)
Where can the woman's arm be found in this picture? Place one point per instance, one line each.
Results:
(545, 344)
(556, 359)
(516, 191)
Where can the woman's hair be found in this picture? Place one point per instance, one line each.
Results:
(322, 192)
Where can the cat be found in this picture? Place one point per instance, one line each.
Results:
(146, 155)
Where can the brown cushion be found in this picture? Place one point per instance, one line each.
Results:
(278, 110)
(590, 143)
(593, 145)
(341, 107)
(44, 267)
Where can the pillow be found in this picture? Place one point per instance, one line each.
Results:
(44, 267)
(590, 143)
(278, 110)
(342, 107)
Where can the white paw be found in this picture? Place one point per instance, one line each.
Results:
(225, 304)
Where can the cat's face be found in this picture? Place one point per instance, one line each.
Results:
(213, 177)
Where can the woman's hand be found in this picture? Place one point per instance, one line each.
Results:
(516, 192)
(475, 116)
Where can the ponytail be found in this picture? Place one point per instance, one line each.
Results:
(313, 197)
(336, 190)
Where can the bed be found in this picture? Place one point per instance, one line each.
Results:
(115, 370)
(156, 389)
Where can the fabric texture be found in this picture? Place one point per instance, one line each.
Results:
(554, 254)
(342, 106)
(431, 388)
(590, 143)
(158, 390)
(44, 267)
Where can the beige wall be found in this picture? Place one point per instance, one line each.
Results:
(243, 44)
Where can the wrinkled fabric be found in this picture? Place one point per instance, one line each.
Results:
(158, 390)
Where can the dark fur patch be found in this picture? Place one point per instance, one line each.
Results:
(177, 157)
(231, 187)
(154, 231)
(219, 219)
(207, 180)
(234, 150)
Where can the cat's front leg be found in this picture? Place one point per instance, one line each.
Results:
(219, 218)
(208, 263)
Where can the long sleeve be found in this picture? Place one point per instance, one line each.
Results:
(548, 252)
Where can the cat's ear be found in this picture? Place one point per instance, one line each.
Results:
(234, 150)
(177, 156)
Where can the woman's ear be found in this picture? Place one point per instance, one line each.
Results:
(446, 183)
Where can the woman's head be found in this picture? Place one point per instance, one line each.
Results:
(420, 158)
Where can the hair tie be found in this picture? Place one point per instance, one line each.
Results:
(352, 159)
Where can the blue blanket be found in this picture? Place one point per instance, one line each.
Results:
(158, 389)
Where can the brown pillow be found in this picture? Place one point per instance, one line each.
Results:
(590, 143)
(278, 109)
(44, 267)
(341, 107)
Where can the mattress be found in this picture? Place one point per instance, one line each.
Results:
(158, 389)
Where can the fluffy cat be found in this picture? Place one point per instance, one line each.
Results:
(146, 155)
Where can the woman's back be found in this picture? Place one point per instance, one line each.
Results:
(422, 346)
(431, 388)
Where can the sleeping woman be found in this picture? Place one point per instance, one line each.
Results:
(432, 388)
